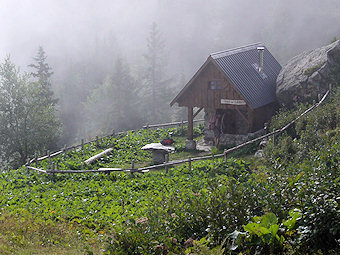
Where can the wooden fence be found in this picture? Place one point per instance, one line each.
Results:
(178, 123)
(98, 139)
(175, 162)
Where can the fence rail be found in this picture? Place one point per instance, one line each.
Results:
(37, 169)
(98, 139)
(178, 123)
(177, 162)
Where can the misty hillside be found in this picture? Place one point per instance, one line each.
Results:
(284, 203)
(84, 79)
(91, 48)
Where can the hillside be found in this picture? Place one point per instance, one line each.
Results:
(286, 202)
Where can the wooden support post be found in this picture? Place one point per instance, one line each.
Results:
(166, 161)
(226, 157)
(274, 136)
(113, 133)
(97, 141)
(52, 168)
(82, 144)
(189, 163)
(190, 123)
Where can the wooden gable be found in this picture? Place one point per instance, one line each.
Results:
(210, 88)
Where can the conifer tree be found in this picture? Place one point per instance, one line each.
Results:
(27, 123)
(157, 86)
(43, 72)
(114, 104)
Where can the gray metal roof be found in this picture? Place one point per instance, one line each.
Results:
(240, 66)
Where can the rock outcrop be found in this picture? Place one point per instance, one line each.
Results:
(307, 75)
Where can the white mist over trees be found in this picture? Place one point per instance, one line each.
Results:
(122, 100)
(117, 64)
(114, 104)
(156, 85)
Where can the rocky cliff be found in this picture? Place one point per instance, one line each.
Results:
(307, 75)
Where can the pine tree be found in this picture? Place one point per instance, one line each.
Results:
(114, 104)
(157, 88)
(43, 72)
(124, 96)
(27, 123)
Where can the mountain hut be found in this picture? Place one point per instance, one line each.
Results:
(236, 89)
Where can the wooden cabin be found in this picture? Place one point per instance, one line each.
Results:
(238, 84)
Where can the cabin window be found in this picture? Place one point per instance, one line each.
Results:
(216, 84)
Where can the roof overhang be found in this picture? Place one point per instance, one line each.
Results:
(187, 86)
(209, 59)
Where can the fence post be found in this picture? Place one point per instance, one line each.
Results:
(113, 133)
(82, 144)
(64, 150)
(166, 161)
(52, 170)
(266, 128)
(274, 136)
(189, 163)
(97, 141)
(226, 157)
(132, 167)
(213, 158)
(27, 165)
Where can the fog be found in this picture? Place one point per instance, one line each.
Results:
(88, 36)
(71, 30)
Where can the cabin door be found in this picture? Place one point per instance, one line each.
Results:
(228, 122)
(234, 123)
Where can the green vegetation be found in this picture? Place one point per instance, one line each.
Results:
(28, 121)
(309, 71)
(127, 149)
(285, 203)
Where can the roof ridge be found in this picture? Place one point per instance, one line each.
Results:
(235, 50)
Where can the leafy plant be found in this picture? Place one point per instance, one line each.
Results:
(264, 234)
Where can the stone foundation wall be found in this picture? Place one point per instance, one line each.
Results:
(226, 139)
(231, 139)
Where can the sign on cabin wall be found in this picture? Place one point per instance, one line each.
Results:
(233, 102)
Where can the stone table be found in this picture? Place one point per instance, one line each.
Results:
(158, 151)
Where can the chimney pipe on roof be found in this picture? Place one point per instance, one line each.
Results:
(261, 50)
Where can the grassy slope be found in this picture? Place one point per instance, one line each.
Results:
(154, 212)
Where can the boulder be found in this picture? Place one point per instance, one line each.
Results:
(307, 75)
